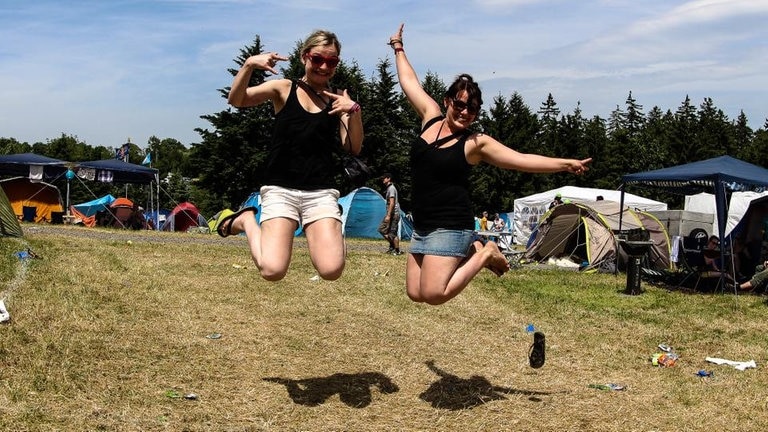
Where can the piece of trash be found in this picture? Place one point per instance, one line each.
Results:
(704, 373)
(190, 396)
(214, 336)
(237, 266)
(530, 328)
(4, 315)
(22, 255)
(665, 348)
(609, 386)
(129, 242)
(740, 365)
(315, 278)
(664, 359)
(173, 394)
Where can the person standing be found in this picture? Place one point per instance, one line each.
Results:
(391, 223)
(444, 253)
(299, 188)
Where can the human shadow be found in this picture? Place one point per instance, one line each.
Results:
(353, 389)
(453, 393)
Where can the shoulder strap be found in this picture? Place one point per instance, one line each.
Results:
(431, 122)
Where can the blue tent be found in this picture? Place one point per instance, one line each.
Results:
(720, 175)
(362, 212)
(92, 207)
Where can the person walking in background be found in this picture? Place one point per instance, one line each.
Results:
(391, 223)
(299, 187)
(484, 222)
(444, 252)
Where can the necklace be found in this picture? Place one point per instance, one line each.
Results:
(306, 86)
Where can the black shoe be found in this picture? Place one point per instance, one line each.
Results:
(536, 353)
(396, 252)
(389, 251)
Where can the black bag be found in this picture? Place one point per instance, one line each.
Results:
(356, 170)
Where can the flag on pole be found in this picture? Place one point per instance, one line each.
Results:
(147, 159)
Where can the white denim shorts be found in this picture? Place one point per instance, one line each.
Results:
(302, 206)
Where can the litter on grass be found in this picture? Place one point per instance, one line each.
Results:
(608, 387)
(739, 365)
(4, 315)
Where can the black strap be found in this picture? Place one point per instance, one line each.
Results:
(310, 90)
(431, 122)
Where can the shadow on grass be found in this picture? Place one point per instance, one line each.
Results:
(453, 393)
(353, 389)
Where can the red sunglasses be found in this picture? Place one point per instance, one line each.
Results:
(318, 59)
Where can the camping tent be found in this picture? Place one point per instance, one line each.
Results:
(33, 201)
(116, 171)
(720, 175)
(362, 212)
(9, 223)
(753, 228)
(587, 234)
(183, 217)
(32, 165)
(92, 207)
(528, 210)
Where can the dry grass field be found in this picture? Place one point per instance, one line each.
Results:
(177, 332)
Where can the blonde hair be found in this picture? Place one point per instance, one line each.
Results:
(321, 38)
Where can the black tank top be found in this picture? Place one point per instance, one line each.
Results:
(441, 184)
(301, 155)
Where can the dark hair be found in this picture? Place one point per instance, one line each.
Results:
(464, 82)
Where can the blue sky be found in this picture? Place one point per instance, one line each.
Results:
(109, 70)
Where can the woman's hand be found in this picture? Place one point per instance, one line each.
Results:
(265, 61)
(397, 37)
(342, 103)
(578, 166)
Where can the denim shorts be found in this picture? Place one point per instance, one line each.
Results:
(442, 242)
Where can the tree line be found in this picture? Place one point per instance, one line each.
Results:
(225, 167)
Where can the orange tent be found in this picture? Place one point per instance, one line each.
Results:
(32, 201)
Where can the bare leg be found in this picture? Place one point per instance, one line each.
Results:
(275, 236)
(436, 279)
(326, 247)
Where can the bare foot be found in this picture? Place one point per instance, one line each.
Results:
(497, 262)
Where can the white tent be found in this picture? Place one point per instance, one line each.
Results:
(737, 206)
(528, 210)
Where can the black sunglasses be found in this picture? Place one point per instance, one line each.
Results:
(318, 59)
(460, 105)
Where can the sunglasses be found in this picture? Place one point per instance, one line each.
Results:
(318, 60)
(460, 106)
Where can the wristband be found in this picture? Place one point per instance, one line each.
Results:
(397, 50)
(355, 108)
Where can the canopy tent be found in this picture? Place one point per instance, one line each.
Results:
(528, 210)
(587, 233)
(33, 201)
(721, 176)
(118, 171)
(32, 165)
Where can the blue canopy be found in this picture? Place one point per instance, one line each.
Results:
(19, 164)
(120, 171)
(719, 175)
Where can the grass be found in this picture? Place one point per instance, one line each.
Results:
(107, 335)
